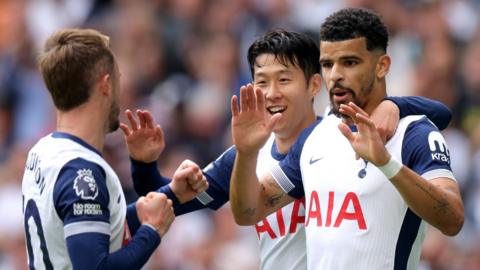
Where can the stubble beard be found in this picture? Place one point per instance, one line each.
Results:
(365, 91)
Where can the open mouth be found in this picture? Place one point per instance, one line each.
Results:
(276, 109)
(338, 92)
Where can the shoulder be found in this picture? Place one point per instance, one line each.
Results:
(424, 148)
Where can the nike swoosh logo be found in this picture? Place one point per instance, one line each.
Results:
(312, 160)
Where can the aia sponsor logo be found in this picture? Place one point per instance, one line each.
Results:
(350, 211)
(296, 219)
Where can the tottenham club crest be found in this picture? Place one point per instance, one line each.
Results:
(85, 185)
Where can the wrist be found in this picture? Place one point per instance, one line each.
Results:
(169, 191)
(152, 227)
(391, 168)
(247, 154)
(139, 162)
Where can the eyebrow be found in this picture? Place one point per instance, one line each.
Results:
(345, 57)
(282, 71)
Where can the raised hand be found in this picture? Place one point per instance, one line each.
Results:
(250, 126)
(366, 142)
(145, 142)
(188, 181)
(155, 209)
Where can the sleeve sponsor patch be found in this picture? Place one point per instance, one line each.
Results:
(438, 147)
(85, 185)
(80, 209)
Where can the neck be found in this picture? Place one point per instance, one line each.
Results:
(285, 140)
(80, 123)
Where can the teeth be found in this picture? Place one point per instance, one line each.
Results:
(276, 109)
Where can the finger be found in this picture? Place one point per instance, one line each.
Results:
(203, 187)
(159, 132)
(131, 119)
(348, 111)
(141, 119)
(194, 177)
(153, 194)
(199, 175)
(357, 109)
(365, 120)
(252, 100)
(197, 185)
(345, 130)
(188, 163)
(234, 105)
(140, 202)
(148, 119)
(273, 120)
(243, 99)
(125, 129)
(260, 99)
(184, 173)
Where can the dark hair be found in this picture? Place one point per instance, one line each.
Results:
(71, 63)
(288, 47)
(353, 23)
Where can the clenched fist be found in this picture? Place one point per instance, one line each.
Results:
(156, 209)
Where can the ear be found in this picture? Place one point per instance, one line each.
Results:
(383, 66)
(104, 84)
(315, 84)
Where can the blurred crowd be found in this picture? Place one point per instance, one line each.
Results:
(183, 60)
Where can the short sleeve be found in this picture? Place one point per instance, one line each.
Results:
(81, 198)
(218, 174)
(425, 151)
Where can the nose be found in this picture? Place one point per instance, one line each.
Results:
(336, 74)
(273, 91)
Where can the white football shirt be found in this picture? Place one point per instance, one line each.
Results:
(281, 234)
(68, 189)
(355, 218)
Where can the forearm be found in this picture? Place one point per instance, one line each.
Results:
(91, 250)
(440, 206)
(146, 177)
(436, 111)
(245, 190)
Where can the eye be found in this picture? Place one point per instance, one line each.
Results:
(285, 80)
(350, 63)
(326, 65)
(260, 83)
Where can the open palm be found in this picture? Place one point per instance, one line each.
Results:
(250, 126)
(366, 142)
(144, 140)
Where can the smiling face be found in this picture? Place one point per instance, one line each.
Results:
(352, 73)
(287, 91)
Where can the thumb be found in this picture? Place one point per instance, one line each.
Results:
(273, 120)
(125, 129)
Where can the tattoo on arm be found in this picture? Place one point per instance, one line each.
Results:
(273, 200)
(249, 212)
(442, 204)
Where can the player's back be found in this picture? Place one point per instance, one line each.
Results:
(45, 228)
